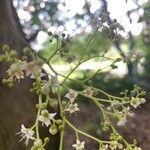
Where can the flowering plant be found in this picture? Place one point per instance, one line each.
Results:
(48, 81)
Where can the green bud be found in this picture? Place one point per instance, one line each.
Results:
(47, 140)
(63, 35)
(26, 50)
(90, 82)
(38, 143)
(53, 129)
(105, 128)
(121, 93)
(139, 88)
(5, 47)
(50, 33)
(120, 146)
(143, 93)
(113, 66)
(43, 106)
(59, 122)
(126, 98)
(13, 53)
(61, 128)
(4, 81)
(118, 59)
(135, 86)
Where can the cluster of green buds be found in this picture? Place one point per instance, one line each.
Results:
(8, 54)
(63, 42)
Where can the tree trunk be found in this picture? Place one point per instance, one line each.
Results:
(17, 104)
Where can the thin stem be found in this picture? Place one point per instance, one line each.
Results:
(85, 134)
(62, 115)
(37, 121)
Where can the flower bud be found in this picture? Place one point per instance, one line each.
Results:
(59, 122)
(13, 53)
(143, 93)
(26, 50)
(5, 47)
(38, 143)
(61, 128)
(47, 140)
(50, 33)
(53, 129)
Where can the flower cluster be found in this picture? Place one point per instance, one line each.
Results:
(48, 88)
(73, 107)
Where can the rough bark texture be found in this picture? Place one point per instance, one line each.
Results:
(16, 105)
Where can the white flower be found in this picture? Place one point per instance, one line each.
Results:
(79, 145)
(122, 121)
(88, 92)
(34, 68)
(71, 95)
(127, 112)
(142, 100)
(16, 70)
(26, 134)
(46, 117)
(135, 102)
(72, 108)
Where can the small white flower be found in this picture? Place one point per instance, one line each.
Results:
(127, 112)
(16, 70)
(26, 134)
(72, 108)
(142, 100)
(88, 92)
(79, 145)
(34, 68)
(122, 121)
(71, 95)
(135, 102)
(46, 117)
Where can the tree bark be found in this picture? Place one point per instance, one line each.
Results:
(17, 104)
